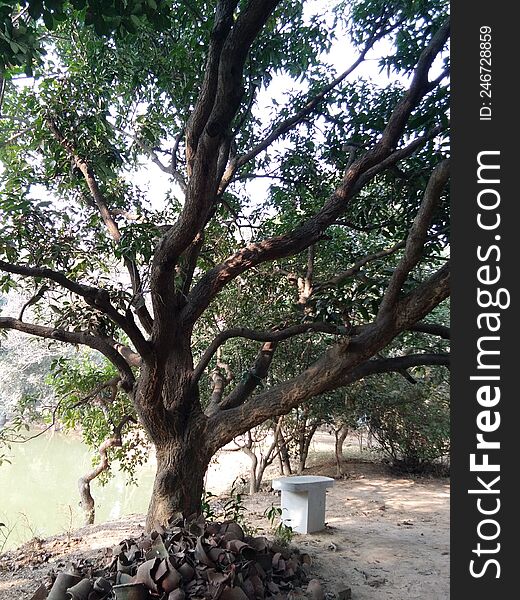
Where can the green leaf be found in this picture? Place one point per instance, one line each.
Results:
(36, 8)
(48, 19)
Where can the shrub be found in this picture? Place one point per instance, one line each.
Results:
(412, 427)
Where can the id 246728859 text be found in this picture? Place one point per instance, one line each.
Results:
(485, 73)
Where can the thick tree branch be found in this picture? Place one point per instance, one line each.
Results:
(206, 98)
(380, 156)
(343, 362)
(261, 336)
(416, 237)
(97, 298)
(208, 130)
(393, 158)
(77, 338)
(418, 88)
(432, 329)
(293, 242)
(253, 379)
(397, 365)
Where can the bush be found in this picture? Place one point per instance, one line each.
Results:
(410, 422)
(414, 429)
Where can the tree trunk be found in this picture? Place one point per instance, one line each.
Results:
(340, 435)
(248, 450)
(85, 494)
(86, 501)
(305, 444)
(179, 482)
(169, 409)
(260, 463)
(284, 454)
(279, 459)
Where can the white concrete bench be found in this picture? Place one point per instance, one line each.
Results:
(303, 501)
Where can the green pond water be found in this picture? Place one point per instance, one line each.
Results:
(38, 490)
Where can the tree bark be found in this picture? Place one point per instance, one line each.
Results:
(284, 456)
(305, 444)
(179, 482)
(340, 435)
(169, 409)
(85, 494)
(260, 462)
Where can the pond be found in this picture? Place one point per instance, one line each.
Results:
(38, 490)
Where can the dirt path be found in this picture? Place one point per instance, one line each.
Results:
(387, 538)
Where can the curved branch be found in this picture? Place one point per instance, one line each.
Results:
(261, 336)
(295, 241)
(205, 100)
(115, 441)
(356, 267)
(97, 298)
(106, 215)
(380, 156)
(289, 123)
(432, 329)
(252, 380)
(397, 364)
(217, 105)
(170, 169)
(344, 360)
(77, 338)
(416, 236)
(32, 301)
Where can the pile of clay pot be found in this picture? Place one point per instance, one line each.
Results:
(212, 561)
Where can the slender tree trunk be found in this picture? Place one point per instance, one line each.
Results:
(305, 444)
(260, 463)
(279, 459)
(86, 500)
(340, 435)
(301, 443)
(284, 455)
(248, 449)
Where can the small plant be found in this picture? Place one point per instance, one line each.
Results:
(28, 526)
(283, 532)
(68, 516)
(207, 507)
(234, 508)
(231, 509)
(5, 534)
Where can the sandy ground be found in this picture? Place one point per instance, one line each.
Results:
(387, 537)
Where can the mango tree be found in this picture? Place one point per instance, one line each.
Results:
(192, 292)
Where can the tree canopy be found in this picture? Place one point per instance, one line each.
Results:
(319, 214)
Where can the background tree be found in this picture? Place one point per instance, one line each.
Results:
(347, 244)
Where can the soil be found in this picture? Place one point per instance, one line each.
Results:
(387, 537)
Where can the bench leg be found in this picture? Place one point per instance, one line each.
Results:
(304, 511)
(316, 510)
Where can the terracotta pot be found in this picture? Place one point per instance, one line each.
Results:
(80, 591)
(63, 582)
(131, 591)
